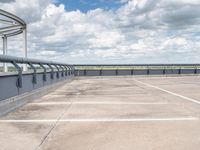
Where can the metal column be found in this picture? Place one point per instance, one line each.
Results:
(5, 67)
(25, 48)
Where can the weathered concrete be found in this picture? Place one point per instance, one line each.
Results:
(15, 102)
(109, 113)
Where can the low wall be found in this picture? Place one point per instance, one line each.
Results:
(9, 88)
(125, 72)
(12, 97)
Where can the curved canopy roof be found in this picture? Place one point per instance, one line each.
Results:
(10, 25)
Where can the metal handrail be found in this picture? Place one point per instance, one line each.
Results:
(22, 60)
(167, 65)
(12, 26)
(31, 62)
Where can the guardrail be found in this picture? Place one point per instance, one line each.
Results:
(13, 84)
(135, 69)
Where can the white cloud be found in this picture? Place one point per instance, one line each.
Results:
(29, 10)
(181, 2)
(106, 39)
(6, 1)
(139, 31)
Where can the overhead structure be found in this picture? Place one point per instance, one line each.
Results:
(11, 25)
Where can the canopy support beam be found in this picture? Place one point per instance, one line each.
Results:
(5, 67)
(25, 47)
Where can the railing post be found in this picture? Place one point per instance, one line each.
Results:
(132, 71)
(195, 70)
(52, 71)
(71, 69)
(44, 73)
(179, 70)
(62, 73)
(84, 72)
(57, 72)
(66, 73)
(34, 73)
(164, 71)
(19, 79)
(148, 71)
(116, 72)
(100, 72)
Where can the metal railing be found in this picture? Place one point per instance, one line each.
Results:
(64, 69)
(18, 87)
(135, 69)
(12, 25)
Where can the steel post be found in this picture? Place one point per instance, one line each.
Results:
(25, 47)
(19, 79)
(44, 73)
(5, 67)
(34, 73)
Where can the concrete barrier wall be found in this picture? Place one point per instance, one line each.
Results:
(140, 72)
(124, 72)
(10, 89)
(135, 72)
(187, 71)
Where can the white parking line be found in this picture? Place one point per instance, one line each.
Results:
(98, 103)
(101, 120)
(169, 92)
(168, 77)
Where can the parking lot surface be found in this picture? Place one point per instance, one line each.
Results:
(109, 113)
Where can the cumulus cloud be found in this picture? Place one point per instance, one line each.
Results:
(140, 31)
(6, 1)
(29, 10)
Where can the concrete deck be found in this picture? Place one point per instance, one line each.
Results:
(109, 113)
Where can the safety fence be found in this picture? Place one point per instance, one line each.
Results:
(135, 69)
(43, 76)
(40, 74)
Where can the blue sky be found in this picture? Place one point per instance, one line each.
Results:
(86, 5)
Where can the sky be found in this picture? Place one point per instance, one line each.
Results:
(108, 31)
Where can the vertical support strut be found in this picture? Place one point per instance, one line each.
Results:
(116, 72)
(57, 72)
(71, 69)
(179, 70)
(25, 47)
(34, 73)
(19, 79)
(5, 67)
(62, 73)
(100, 72)
(69, 72)
(132, 71)
(44, 73)
(164, 70)
(148, 70)
(66, 73)
(195, 70)
(52, 71)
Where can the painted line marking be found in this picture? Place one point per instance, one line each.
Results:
(167, 77)
(100, 120)
(88, 95)
(98, 103)
(169, 92)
